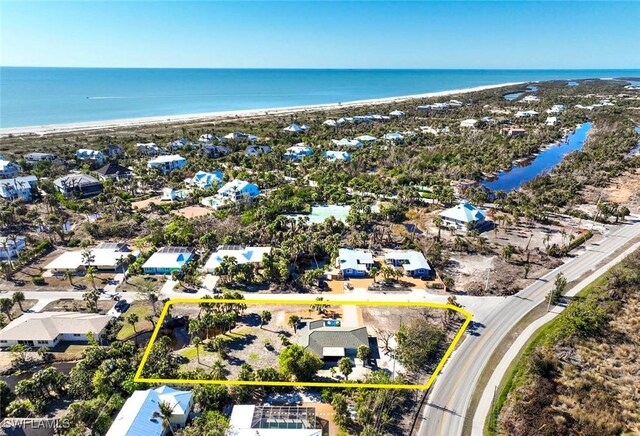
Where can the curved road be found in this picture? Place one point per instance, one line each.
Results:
(449, 399)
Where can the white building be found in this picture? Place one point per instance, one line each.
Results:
(413, 263)
(240, 253)
(10, 247)
(294, 128)
(556, 109)
(334, 155)
(468, 123)
(297, 152)
(48, 329)
(551, 121)
(149, 148)
(367, 139)
(8, 169)
(526, 114)
(166, 164)
(167, 259)
(397, 114)
(393, 137)
(252, 420)
(37, 157)
(96, 156)
(140, 415)
(237, 190)
(257, 150)
(205, 180)
(107, 256)
(344, 142)
(18, 187)
(330, 123)
(354, 262)
(463, 216)
(179, 144)
(530, 99)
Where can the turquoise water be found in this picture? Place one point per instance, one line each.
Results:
(543, 162)
(38, 96)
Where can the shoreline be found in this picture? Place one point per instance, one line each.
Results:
(51, 129)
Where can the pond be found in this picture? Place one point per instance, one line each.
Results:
(12, 380)
(542, 163)
(512, 95)
(320, 213)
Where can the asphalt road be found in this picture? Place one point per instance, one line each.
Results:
(449, 400)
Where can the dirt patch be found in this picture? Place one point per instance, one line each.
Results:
(71, 305)
(192, 211)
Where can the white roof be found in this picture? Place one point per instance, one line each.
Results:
(468, 122)
(336, 155)
(140, 414)
(396, 113)
(393, 135)
(169, 257)
(240, 253)
(347, 142)
(234, 186)
(366, 138)
(105, 256)
(167, 158)
(415, 260)
(293, 128)
(19, 182)
(354, 258)
(46, 326)
(463, 212)
(331, 123)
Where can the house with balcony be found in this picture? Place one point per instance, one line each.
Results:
(78, 185)
(8, 169)
(21, 187)
(167, 163)
(10, 247)
(92, 156)
(464, 216)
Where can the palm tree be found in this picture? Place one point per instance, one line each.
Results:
(373, 272)
(151, 320)
(437, 221)
(18, 298)
(91, 273)
(166, 410)
(265, 317)
(68, 275)
(88, 258)
(196, 343)
(293, 322)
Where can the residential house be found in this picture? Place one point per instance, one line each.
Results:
(37, 157)
(514, 131)
(168, 163)
(344, 142)
(239, 136)
(48, 329)
(257, 150)
(551, 121)
(78, 185)
(330, 340)
(366, 139)
(107, 256)
(393, 137)
(140, 415)
(205, 180)
(86, 154)
(526, 114)
(8, 169)
(293, 128)
(354, 262)
(10, 247)
(463, 216)
(433, 107)
(530, 99)
(179, 144)
(168, 259)
(241, 254)
(468, 123)
(113, 151)
(18, 187)
(330, 123)
(556, 109)
(214, 151)
(396, 113)
(114, 171)
(297, 152)
(149, 149)
(267, 420)
(333, 155)
(238, 190)
(412, 263)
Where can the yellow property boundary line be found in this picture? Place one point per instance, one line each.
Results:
(138, 377)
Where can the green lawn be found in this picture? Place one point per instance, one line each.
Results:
(142, 310)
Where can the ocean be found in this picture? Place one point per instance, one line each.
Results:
(42, 96)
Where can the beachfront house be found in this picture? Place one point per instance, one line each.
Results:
(354, 262)
(257, 150)
(113, 171)
(8, 169)
(412, 263)
(21, 187)
(149, 149)
(38, 157)
(294, 128)
(463, 216)
(297, 152)
(168, 259)
(107, 256)
(344, 142)
(330, 340)
(241, 254)
(11, 246)
(114, 151)
(393, 137)
(437, 107)
(179, 144)
(78, 185)
(267, 420)
(141, 415)
(334, 155)
(396, 113)
(239, 136)
(49, 329)
(205, 180)
(89, 155)
(168, 163)
(331, 123)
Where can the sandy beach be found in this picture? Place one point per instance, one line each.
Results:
(221, 115)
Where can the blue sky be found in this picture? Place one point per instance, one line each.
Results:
(476, 34)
